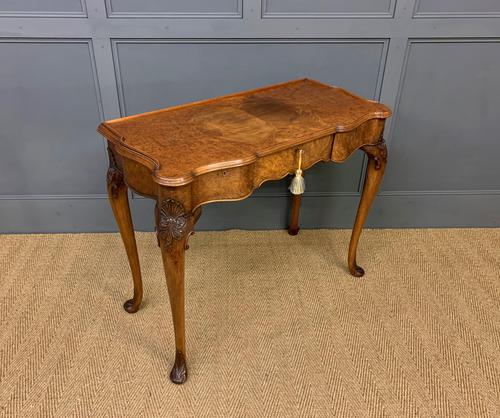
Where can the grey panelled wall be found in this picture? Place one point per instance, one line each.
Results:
(65, 65)
(37, 8)
(328, 8)
(49, 100)
(179, 8)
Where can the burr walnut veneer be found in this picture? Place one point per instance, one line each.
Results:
(223, 149)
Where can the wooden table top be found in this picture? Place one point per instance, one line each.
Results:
(184, 141)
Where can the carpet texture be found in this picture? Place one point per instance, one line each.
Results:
(276, 327)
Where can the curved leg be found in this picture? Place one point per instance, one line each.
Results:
(377, 155)
(118, 198)
(293, 227)
(174, 226)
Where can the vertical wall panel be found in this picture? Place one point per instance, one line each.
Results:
(327, 8)
(174, 8)
(446, 129)
(48, 114)
(443, 8)
(54, 8)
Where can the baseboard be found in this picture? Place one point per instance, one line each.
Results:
(389, 211)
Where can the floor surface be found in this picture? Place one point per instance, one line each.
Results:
(276, 327)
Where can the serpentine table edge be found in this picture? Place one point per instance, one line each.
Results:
(177, 157)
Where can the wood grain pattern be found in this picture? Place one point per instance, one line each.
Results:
(225, 148)
(238, 129)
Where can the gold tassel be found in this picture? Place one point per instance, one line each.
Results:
(298, 184)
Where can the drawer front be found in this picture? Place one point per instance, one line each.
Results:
(239, 182)
(345, 143)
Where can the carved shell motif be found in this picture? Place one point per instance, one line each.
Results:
(114, 176)
(172, 222)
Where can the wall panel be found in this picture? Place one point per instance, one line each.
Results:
(47, 8)
(446, 129)
(66, 65)
(49, 108)
(175, 8)
(327, 8)
(457, 8)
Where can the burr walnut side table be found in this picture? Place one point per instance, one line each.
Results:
(222, 149)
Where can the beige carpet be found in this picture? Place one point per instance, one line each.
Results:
(276, 327)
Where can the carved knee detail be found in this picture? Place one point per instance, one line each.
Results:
(115, 176)
(377, 152)
(172, 222)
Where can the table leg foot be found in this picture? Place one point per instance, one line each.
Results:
(293, 231)
(357, 271)
(178, 375)
(131, 306)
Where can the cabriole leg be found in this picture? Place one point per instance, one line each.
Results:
(174, 226)
(377, 160)
(118, 198)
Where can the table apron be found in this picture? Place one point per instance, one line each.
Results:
(237, 183)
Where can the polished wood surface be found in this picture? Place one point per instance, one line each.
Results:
(223, 149)
(293, 226)
(118, 198)
(236, 130)
(377, 160)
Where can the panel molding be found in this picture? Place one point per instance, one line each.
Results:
(417, 14)
(266, 14)
(287, 195)
(59, 215)
(116, 41)
(439, 192)
(82, 14)
(100, 110)
(236, 14)
(395, 115)
(376, 96)
(266, 195)
(53, 196)
(306, 193)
